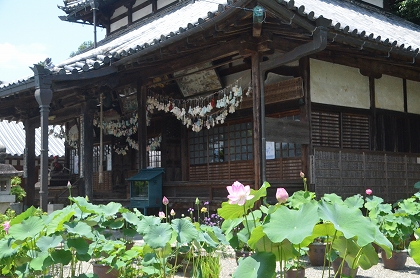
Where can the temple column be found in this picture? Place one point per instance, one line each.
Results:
(43, 95)
(29, 172)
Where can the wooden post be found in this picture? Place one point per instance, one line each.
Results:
(256, 108)
(87, 147)
(29, 167)
(142, 125)
(305, 115)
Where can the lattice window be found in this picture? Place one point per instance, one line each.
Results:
(336, 129)
(326, 129)
(355, 131)
(219, 144)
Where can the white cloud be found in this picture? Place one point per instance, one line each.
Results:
(15, 60)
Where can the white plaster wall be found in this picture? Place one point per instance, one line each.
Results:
(142, 12)
(121, 10)
(118, 24)
(413, 97)
(379, 3)
(389, 93)
(163, 3)
(139, 2)
(338, 85)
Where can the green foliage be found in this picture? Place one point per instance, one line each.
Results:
(398, 222)
(38, 244)
(16, 189)
(19, 192)
(84, 46)
(407, 9)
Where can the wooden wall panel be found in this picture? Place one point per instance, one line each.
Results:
(346, 172)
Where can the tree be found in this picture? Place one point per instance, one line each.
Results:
(407, 9)
(85, 45)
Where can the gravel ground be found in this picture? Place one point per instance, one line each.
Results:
(228, 266)
(378, 271)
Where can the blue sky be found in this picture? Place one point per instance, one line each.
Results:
(31, 31)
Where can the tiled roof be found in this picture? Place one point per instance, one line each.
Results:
(74, 4)
(364, 22)
(346, 17)
(12, 136)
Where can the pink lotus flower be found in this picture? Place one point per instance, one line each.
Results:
(302, 174)
(238, 193)
(282, 195)
(165, 201)
(161, 215)
(368, 191)
(6, 226)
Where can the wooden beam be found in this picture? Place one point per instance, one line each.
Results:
(284, 130)
(191, 60)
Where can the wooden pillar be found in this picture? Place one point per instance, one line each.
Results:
(29, 172)
(305, 113)
(43, 95)
(373, 118)
(256, 108)
(86, 148)
(142, 124)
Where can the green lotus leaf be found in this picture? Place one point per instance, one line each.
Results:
(114, 224)
(79, 228)
(414, 251)
(129, 232)
(55, 221)
(325, 229)
(41, 261)
(6, 249)
(231, 211)
(79, 244)
(158, 236)
(229, 224)
(261, 243)
(85, 207)
(299, 198)
(24, 215)
(409, 206)
(61, 256)
(259, 265)
(145, 224)
(349, 221)
(28, 228)
(83, 257)
(48, 242)
(356, 256)
(217, 235)
(372, 202)
(131, 218)
(110, 209)
(332, 198)
(355, 201)
(185, 230)
(294, 225)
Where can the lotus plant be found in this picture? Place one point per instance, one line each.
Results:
(278, 231)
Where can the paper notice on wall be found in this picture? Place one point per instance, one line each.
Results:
(76, 165)
(270, 151)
